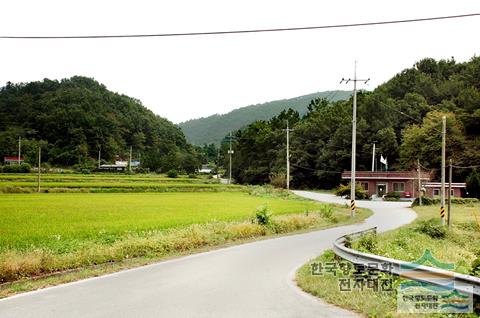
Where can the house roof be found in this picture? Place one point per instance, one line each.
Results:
(386, 175)
(12, 158)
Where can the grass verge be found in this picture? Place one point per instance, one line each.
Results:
(459, 246)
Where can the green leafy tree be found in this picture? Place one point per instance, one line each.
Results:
(473, 184)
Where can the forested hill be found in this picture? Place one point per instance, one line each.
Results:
(212, 129)
(403, 116)
(74, 118)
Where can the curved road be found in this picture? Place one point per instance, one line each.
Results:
(249, 280)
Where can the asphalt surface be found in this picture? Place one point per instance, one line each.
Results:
(250, 280)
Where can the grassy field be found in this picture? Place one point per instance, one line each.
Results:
(44, 233)
(54, 183)
(458, 246)
(61, 221)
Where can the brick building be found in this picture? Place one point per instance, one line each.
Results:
(403, 182)
(381, 182)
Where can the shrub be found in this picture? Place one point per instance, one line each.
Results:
(344, 191)
(426, 201)
(172, 173)
(192, 176)
(13, 168)
(433, 201)
(368, 243)
(432, 228)
(327, 212)
(473, 184)
(475, 267)
(278, 180)
(348, 241)
(392, 196)
(262, 216)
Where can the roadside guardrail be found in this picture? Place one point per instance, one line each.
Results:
(463, 283)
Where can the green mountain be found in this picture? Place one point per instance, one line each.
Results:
(213, 129)
(75, 118)
(403, 117)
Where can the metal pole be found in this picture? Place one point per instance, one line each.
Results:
(373, 158)
(449, 193)
(230, 163)
(99, 156)
(442, 208)
(288, 158)
(419, 183)
(39, 167)
(19, 149)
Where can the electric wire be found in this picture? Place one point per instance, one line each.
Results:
(152, 35)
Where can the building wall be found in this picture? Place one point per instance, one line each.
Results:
(409, 185)
(434, 192)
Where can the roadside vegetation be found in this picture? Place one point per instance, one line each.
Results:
(458, 246)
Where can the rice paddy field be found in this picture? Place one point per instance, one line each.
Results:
(26, 183)
(61, 221)
(78, 222)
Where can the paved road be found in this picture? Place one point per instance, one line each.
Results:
(249, 280)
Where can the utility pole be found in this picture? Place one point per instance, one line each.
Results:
(230, 153)
(449, 193)
(130, 160)
(19, 149)
(373, 157)
(288, 130)
(39, 167)
(442, 208)
(99, 156)
(419, 172)
(354, 135)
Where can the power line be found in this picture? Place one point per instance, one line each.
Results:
(311, 169)
(332, 26)
(405, 114)
(469, 167)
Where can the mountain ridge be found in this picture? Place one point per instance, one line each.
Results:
(212, 129)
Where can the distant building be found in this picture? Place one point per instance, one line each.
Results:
(434, 189)
(380, 183)
(405, 183)
(119, 165)
(12, 160)
(205, 169)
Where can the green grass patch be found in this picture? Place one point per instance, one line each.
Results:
(459, 246)
(47, 233)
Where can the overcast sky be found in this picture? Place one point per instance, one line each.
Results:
(189, 77)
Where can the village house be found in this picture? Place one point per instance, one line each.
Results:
(405, 183)
(13, 160)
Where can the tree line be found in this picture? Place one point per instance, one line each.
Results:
(402, 116)
(73, 119)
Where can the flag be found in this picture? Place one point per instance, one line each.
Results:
(383, 160)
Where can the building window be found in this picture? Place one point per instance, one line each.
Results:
(436, 192)
(398, 186)
(364, 185)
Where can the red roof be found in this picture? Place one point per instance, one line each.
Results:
(12, 158)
